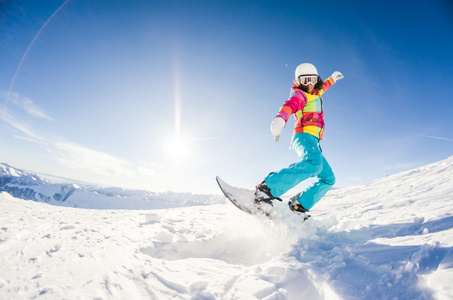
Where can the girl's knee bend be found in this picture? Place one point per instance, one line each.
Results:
(330, 180)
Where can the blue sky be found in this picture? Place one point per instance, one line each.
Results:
(165, 95)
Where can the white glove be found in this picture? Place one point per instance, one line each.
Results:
(337, 76)
(277, 126)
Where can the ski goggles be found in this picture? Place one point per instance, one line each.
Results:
(307, 79)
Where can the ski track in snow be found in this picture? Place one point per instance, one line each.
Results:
(389, 239)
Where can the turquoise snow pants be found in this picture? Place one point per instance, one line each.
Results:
(312, 164)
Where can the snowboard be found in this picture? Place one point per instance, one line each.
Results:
(244, 199)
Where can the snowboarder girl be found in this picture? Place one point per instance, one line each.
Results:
(306, 103)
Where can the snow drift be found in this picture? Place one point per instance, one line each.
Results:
(388, 239)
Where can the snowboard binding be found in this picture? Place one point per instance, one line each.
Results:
(263, 194)
(299, 209)
(263, 198)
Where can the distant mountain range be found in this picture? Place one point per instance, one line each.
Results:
(29, 186)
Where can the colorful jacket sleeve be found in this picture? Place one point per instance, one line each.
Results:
(297, 99)
(327, 84)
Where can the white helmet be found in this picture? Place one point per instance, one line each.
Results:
(305, 69)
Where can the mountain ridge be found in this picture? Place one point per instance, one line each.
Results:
(27, 185)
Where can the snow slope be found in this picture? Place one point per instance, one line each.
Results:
(388, 239)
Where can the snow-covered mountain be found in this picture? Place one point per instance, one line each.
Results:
(388, 239)
(29, 186)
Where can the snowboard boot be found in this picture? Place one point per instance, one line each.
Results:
(264, 197)
(296, 207)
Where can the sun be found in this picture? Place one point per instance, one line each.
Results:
(177, 149)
